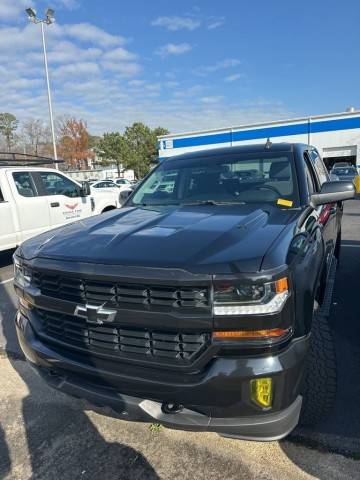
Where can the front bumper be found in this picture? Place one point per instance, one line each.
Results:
(216, 400)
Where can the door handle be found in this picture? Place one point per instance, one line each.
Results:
(55, 204)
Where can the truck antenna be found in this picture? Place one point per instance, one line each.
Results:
(268, 144)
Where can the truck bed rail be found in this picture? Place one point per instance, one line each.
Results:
(14, 159)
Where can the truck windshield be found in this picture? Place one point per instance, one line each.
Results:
(233, 178)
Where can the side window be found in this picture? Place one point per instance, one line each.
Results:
(56, 184)
(319, 166)
(310, 180)
(24, 184)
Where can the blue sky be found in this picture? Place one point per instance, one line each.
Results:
(182, 65)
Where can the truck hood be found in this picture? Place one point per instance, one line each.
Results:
(206, 239)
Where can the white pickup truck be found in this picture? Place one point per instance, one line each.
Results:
(36, 199)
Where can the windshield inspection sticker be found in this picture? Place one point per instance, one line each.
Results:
(285, 203)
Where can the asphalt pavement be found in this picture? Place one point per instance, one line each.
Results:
(42, 419)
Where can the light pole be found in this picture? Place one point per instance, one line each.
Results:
(48, 20)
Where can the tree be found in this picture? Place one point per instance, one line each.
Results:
(142, 145)
(74, 142)
(112, 148)
(35, 135)
(8, 126)
(134, 149)
(94, 141)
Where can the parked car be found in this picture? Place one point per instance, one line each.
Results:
(36, 199)
(122, 182)
(345, 173)
(341, 164)
(104, 184)
(197, 306)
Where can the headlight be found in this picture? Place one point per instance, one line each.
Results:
(22, 273)
(242, 299)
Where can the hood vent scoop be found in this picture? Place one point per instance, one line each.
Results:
(253, 220)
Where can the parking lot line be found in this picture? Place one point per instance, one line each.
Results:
(7, 281)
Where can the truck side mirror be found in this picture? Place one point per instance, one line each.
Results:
(124, 194)
(85, 189)
(332, 192)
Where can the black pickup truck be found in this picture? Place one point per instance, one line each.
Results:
(196, 305)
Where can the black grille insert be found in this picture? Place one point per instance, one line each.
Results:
(127, 295)
(123, 342)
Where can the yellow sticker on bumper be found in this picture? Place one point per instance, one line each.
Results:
(285, 203)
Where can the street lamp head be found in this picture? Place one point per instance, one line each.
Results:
(31, 14)
(50, 15)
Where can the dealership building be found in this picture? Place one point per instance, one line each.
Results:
(336, 136)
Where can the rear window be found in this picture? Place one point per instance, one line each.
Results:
(243, 178)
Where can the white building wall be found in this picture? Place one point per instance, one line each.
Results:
(339, 135)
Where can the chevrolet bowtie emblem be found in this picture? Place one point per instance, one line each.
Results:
(95, 314)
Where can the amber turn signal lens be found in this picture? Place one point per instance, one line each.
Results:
(239, 334)
(282, 285)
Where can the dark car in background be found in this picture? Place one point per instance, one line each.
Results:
(198, 304)
(347, 173)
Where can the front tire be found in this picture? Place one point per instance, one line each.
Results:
(320, 376)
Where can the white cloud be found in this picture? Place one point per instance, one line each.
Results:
(107, 106)
(119, 54)
(77, 70)
(68, 4)
(193, 91)
(173, 49)
(234, 77)
(174, 23)
(213, 99)
(123, 69)
(29, 37)
(101, 52)
(222, 65)
(66, 52)
(172, 84)
(96, 76)
(26, 39)
(21, 83)
(86, 32)
(215, 23)
(136, 83)
(13, 9)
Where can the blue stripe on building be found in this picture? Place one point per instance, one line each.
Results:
(268, 132)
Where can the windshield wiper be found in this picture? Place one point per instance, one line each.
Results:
(155, 204)
(211, 202)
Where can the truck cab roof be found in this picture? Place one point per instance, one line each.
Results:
(24, 168)
(246, 149)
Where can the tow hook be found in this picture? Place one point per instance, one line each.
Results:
(171, 408)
